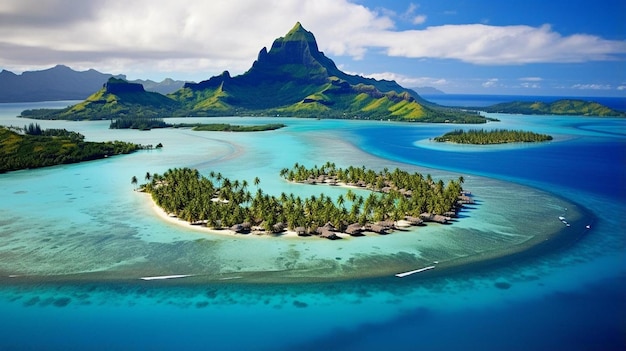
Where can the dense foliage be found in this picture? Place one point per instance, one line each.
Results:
(222, 127)
(140, 123)
(560, 107)
(35, 129)
(19, 151)
(496, 136)
(149, 123)
(220, 202)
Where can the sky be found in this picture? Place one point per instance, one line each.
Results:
(514, 47)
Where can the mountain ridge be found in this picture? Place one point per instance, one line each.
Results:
(560, 107)
(64, 83)
(293, 78)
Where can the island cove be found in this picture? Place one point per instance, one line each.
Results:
(477, 238)
(499, 227)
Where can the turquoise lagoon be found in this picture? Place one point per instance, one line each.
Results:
(75, 239)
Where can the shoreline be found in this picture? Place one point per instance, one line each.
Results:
(161, 214)
(546, 244)
(399, 225)
(290, 234)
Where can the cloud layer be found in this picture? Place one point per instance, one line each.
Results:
(210, 36)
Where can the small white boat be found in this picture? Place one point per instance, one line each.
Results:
(161, 277)
(402, 275)
(561, 218)
(588, 226)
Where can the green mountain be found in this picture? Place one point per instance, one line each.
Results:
(560, 107)
(293, 78)
(117, 98)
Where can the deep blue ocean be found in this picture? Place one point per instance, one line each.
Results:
(573, 298)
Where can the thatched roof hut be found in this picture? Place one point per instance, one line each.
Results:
(327, 234)
(329, 226)
(301, 231)
(237, 228)
(387, 224)
(354, 229)
(430, 217)
(241, 227)
(414, 220)
(278, 227)
(377, 228)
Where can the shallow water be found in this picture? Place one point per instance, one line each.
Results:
(80, 237)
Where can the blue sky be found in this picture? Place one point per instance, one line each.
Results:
(526, 47)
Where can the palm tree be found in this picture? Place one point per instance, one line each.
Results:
(133, 181)
(340, 201)
(350, 195)
(257, 181)
(148, 176)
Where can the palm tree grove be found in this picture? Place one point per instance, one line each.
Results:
(218, 202)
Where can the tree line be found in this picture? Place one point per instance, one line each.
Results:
(141, 123)
(496, 136)
(219, 202)
(53, 147)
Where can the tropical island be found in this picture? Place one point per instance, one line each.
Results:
(397, 199)
(572, 107)
(34, 147)
(487, 137)
(293, 78)
(225, 127)
(149, 123)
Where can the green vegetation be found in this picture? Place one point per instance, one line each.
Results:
(222, 127)
(52, 147)
(560, 107)
(292, 79)
(116, 99)
(138, 123)
(496, 136)
(218, 202)
(149, 123)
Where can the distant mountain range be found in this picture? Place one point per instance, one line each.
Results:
(293, 78)
(63, 83)
(560, 107)
(428, 91)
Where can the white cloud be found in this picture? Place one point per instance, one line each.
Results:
(407, 81)
(419, 19)
(528, 85)
(491, 83)
(411, 15)
(591, 86)
(498, 45)
(621, 87)
(531, 79)
(119, 36)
